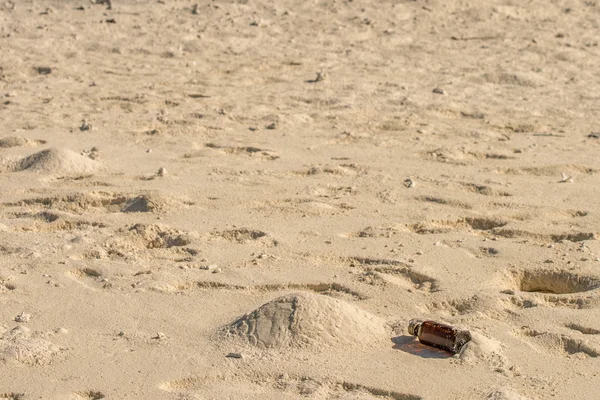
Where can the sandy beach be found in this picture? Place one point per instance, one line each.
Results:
(250, 199)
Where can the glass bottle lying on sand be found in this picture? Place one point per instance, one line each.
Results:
(439, 335)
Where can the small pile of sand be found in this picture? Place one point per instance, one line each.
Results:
(301, 319)
(58, 160)
(52, 160)
(143, 203)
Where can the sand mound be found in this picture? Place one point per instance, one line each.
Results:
(54, 161)
(143, 203)
(20, 345)
(19, 141)
(301, 319)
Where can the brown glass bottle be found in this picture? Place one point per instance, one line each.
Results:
(439, 335)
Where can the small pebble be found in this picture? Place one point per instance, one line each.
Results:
(217, 271)
(85, 126)
(23, 317)
(492, 251)
(93, 153)
(566, 178)
(438, 91)
(162, 171)
(235, 355)
(321, 76)
(159, 335)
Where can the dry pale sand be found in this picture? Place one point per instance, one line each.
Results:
(250, 199)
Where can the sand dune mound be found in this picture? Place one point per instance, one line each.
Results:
(52, 160)
(305, 319)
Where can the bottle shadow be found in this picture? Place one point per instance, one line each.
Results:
(411, 345)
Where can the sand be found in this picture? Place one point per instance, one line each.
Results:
(251, 199)
(307, 320)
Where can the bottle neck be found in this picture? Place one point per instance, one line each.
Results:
(414, 327)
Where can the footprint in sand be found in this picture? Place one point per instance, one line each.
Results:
(103, 201)
(560, 344)
(550, 170)
(551, 287)
(237, 150)
(461, 156)
(90, 395)
(504, 394)
(24, 346)
(244, 236)
(583, 329)
(143, 241)
(469, 224)
(12, 396)
(444, 201)
(46, 221)
(280, 386)
(377, 271)
(334, 290)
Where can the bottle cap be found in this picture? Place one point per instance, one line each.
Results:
(413, 326)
